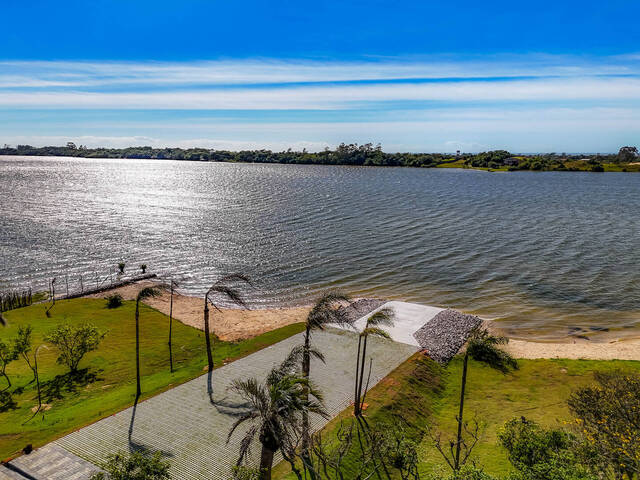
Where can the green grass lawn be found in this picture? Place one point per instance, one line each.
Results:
(426, 395)
(109, 383)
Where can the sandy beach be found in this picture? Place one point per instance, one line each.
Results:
(229, 324)
(234, 324)
(615, 350)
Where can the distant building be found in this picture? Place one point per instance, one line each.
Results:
(511, 162)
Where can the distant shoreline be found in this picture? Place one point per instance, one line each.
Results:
(350, 155)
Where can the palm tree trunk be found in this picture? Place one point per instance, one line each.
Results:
(460, 413)
(266, 461)
(306, 368)
(362, 364)
(206, 335)
(170, 327)
(356, 397)
(35, 371)
(138, 389)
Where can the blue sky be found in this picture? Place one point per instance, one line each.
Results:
(429, 76)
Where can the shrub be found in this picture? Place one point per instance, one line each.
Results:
(74, 343)
(134, 466)
(241, 472)
(143, 267)
(539, 454)
(114, 301)
(468, 472)
(608, 415)
(121, 266)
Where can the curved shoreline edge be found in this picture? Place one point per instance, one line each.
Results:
(235, 324)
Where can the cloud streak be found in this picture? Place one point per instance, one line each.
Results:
(337, 97)
(17, 74)
(426, 103)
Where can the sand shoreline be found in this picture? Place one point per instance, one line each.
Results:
(232, 324)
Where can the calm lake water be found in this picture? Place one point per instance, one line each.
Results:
(541, 252)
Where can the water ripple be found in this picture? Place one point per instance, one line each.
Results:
(541, 252)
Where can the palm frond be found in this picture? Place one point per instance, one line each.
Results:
(250, 389)
(375, 332)
(245, 444)
(148, 292)
(233, 294)
(327, 309)
(278, 404)
(243, 418)
(382, 318)
(292, 361)
(484, 347)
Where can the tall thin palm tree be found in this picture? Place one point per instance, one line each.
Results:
(146, 292)
(485, 348)
(275, 412)
(373, 327)
(172, 285)
(222, 288)
(327, 310)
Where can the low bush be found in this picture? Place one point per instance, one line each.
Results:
(134, 466)
(114, 301)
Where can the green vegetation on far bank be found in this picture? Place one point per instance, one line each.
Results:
(626, 160)
(106, 381)
(424, 398)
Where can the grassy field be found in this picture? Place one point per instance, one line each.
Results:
(426, 396)
(108, 381)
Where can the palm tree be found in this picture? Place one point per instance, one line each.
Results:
(326, 310)
(382, 318)
(221, 287)
(142, 294)
(172, 285)
(485, 348)
(275, 411)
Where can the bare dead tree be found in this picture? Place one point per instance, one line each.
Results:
(457, 452)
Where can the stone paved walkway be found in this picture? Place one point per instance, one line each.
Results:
(191, 432)
(50, 462)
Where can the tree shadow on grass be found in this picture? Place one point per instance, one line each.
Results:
(68, 383)
(7, 402)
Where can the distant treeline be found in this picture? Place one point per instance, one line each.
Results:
(345, 154)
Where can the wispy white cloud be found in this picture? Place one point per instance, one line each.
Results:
(426, 103)
(269, 71)
(329, 97)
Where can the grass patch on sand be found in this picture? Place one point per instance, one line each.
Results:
(424, 395)
(107, 381)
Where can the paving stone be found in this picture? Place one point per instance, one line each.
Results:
(191, 432)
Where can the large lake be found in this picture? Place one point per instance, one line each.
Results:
(542, 252)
